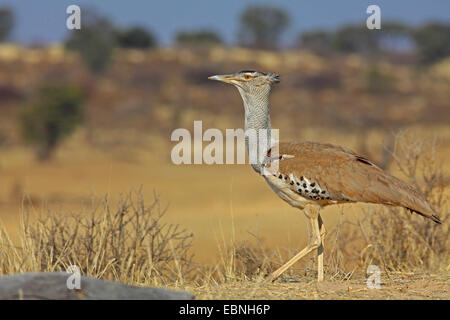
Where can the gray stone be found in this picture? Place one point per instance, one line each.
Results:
(53, 285)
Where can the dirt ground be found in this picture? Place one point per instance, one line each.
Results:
(404, 286)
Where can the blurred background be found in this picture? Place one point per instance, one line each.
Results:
(89, 112)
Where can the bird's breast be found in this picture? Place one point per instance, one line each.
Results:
(283, 190)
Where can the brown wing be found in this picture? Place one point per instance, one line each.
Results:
(347, 176)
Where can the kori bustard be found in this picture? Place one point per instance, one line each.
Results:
(312, 175)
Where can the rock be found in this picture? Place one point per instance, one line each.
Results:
(53, 285)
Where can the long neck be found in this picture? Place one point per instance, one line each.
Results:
(257, 120)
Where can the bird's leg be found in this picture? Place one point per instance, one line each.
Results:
(322, 232)
(314, 244)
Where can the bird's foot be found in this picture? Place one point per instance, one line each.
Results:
(270, 279)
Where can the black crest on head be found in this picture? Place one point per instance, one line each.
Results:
(247, 71)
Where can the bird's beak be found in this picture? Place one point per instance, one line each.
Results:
(228, 78)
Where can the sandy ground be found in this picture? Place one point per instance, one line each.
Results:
(396, 286)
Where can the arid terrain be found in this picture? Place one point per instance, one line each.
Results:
(241, 230)
(399, 286)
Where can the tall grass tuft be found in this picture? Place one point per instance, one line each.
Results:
(129, 242)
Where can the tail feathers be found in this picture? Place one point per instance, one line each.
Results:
(433, 217)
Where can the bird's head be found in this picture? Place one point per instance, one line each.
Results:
(248, 80)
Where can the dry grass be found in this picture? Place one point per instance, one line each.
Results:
(401, 285)
(129, 243)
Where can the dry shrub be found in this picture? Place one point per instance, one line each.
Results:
(129, 243)
(239, 260)
(252, 259)
(394, 239)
